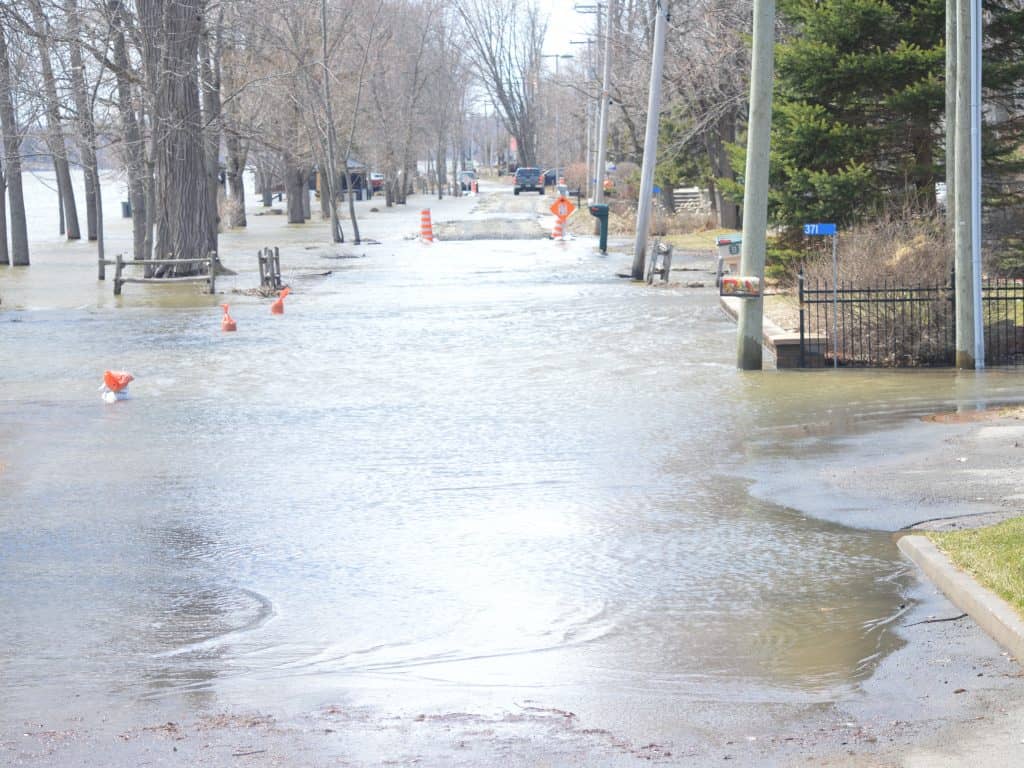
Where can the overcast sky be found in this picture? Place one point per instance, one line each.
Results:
(564, 24)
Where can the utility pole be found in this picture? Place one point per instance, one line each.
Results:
(755, 183)
(976, 39)
(970, 342)
(606, 74)
(950, 123)
(643, 214)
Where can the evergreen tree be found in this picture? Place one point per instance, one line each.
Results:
(859, 104)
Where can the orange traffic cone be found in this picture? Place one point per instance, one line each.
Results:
(556, 233)
(115, 381)
(115, 386)
(227, 323)
(277, 308)
(426, 229)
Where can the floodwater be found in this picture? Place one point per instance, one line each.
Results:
(455, 476)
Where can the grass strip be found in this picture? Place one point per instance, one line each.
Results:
(993, 555)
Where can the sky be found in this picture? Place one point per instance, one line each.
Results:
(564, 24)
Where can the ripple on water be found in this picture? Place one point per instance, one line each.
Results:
(483, 468)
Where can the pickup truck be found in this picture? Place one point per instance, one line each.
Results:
(528, 179)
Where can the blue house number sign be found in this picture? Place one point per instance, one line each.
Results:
(820, 229)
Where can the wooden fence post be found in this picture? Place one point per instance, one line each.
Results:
(118, 269)
(213, 271)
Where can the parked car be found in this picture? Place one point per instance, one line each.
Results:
(528, 179)
(549, 177)
(466, 179)
(377, 181)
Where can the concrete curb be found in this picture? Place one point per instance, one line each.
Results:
(993, 614)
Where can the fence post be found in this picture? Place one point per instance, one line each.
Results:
(277, 268)
(213, 271)
(261, 259)
(102, 267)
(800, 295)
(118, 269)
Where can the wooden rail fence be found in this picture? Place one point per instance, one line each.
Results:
(210, 262)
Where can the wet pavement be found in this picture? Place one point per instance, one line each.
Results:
(465, 503)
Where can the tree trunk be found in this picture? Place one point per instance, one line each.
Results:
(295, 189)
(5, 255)
(85, 121)
(307, 213)
(54, 133)
(12, 158)
(724, 133)
(237, 152)
(152, 25)
(209, 57)
(442, 168)
(134, 149)
(183, 218)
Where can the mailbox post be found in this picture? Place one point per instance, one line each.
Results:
(600, 212)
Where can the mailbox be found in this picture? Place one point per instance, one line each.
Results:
(729, 247)
(600, 212)
(739, 286)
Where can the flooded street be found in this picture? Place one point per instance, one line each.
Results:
(472, 477)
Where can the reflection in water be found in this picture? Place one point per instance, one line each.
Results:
(485, 468)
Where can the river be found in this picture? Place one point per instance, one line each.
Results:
(448, 478)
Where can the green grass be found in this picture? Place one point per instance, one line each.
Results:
(993, 555)
(698, 241)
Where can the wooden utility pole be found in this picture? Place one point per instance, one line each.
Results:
(643, 214)
(755, 183)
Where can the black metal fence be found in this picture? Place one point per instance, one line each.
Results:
(891, 326)
(1002, 303)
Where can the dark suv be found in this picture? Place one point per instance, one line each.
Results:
(528, 179)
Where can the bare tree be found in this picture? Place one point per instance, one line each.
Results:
(505, 39)
(54, 131)
(132, 142)
(706, 72)
(84, 119)
(210, 48)
(12, 156)
(183, 218)
(5, 254)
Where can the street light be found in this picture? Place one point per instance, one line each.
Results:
(558, 139)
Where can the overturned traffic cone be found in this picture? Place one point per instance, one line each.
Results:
(277, 308)
(426, 229)
(227, 323)
(557, 233)
(115, 385)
